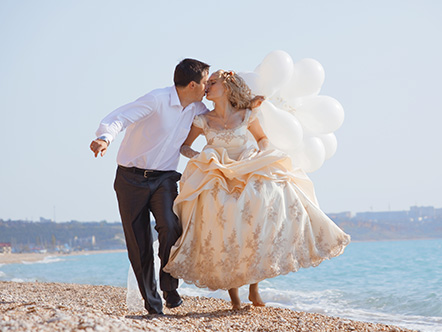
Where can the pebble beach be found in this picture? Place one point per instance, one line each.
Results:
(34, 306)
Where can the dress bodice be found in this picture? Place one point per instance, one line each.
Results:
(234, 140)
(246, 217)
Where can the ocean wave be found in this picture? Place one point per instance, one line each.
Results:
(413, 322)
(23, 280)
(2, 274)
(47, 260)
(340, 304)
(328, 302)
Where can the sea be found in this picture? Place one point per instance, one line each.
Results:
(391, 282)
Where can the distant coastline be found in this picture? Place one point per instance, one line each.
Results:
(74, 237)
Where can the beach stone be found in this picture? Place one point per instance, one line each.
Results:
(55, 307)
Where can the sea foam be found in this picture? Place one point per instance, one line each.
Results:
(47, 260)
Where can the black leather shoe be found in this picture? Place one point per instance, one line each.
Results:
(173, 299)
(154, 312)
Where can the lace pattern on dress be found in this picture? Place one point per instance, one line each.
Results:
(246, 220)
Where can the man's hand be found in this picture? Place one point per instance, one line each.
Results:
(256, 101)
(98, 146)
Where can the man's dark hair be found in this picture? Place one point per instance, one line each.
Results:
(189, 70)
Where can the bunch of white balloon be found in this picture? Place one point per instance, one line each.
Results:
(294, 117)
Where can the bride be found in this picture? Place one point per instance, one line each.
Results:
(247, 214)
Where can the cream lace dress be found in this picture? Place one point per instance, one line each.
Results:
(247, 215)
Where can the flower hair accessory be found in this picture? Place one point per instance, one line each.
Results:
(229, 75)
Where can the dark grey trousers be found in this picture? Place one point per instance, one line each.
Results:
(139, 193)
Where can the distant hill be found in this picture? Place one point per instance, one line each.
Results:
(25, 236)
(375, 231)
(396, 229)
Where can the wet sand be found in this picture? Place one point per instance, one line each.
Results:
(71, 307)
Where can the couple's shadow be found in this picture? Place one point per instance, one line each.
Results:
(194, 314)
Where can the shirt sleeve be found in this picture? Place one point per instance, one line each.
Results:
(125, 115)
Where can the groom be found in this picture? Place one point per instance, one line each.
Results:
(156, 126)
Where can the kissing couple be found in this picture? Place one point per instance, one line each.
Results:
(244, 212)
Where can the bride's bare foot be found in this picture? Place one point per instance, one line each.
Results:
(254, 296)
(234, 296)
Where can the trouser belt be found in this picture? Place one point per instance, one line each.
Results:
(145, 172)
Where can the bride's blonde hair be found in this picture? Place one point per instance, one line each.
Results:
(239, 93)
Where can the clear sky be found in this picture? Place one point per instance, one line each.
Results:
(65, 64)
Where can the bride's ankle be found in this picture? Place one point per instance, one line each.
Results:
(255, 297)
(235, 299)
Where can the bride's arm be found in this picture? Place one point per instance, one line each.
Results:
(257, 132)
(256, 101)
(186, 149)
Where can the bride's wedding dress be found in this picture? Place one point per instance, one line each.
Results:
(247, 215)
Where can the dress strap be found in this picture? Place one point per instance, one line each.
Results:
(205, 125)
(199, 121)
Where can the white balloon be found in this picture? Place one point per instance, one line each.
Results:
(252, 80)
(274, 72)
(294, 117)
(307, 79)
(330, 144)
(315, 151)
(310, 155)
(320, 114)
(282, 128)
(299, 159)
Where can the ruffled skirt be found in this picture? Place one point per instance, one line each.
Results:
(248, 219)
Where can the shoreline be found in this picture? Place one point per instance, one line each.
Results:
(59, 307)
(17, 258)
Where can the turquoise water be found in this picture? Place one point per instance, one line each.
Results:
(396, 282)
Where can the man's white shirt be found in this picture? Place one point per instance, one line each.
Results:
(156, 126)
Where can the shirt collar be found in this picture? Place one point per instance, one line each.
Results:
(174, 99)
